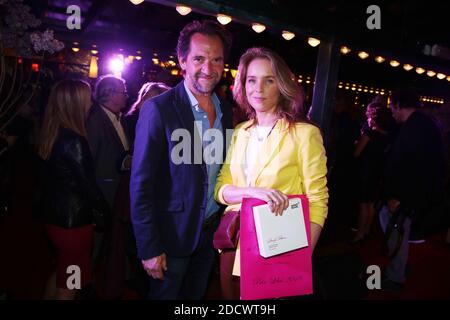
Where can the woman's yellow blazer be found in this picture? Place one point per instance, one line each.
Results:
(292, 160)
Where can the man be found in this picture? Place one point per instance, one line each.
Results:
(413, 182)
(172, 206)
(109, 147)
(106, 134)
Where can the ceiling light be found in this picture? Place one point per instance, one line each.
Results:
(394, 63)
(408, 67)
(223, 19)
(288, 35)
(379, 59)
(183, 10)
(258, 28)
(345, 50)
(363, 54)
(136, 2)
(313, 42)
(75, 49)
(420, 70)
(94, 51)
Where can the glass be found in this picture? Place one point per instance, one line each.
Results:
(125, 93)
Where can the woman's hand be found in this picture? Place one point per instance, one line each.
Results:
(276, 199)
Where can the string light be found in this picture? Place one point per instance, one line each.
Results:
(345, 50)
(182, 9)
(379, 59)
(258, 27)
(223, 19)
(313, 42)
(408, 67)
(420, 70)
(363, 55)
(431, 73)
(287, 35)
(394, 63)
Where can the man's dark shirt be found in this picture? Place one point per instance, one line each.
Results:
(415, 164)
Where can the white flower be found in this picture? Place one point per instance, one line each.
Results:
(16, 34)
(44, 41)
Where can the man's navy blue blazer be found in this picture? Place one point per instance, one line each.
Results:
(168, 201)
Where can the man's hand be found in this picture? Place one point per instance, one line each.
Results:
(156, 266)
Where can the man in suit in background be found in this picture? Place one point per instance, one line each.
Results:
(173, 210)
(106, 134)
(109, 146)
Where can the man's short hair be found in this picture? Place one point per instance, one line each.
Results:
(105, 86)
(205, 27)
(406, 98)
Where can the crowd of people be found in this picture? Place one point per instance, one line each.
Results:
(117, 204)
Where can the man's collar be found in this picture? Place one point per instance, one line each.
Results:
(194, 102)
(110, 113)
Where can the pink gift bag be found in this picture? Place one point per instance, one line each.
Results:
(285, 275)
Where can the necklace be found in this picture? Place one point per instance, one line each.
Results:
(261, 138)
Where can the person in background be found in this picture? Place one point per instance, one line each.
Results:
(414, 183)
(147, 91)
(370, 152)
(71, 193)
(109, 146)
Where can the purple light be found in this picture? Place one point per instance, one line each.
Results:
(116, 65)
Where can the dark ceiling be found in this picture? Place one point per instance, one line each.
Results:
(406, 28)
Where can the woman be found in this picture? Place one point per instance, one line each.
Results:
(370, 151)
(71, 194)
(274, 154)
(147, 91)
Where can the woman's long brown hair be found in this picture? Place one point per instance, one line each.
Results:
(67, 107)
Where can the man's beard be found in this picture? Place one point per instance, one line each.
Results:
(196, 84)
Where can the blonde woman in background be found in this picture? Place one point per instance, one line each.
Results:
(70, 192)
(147, 91)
